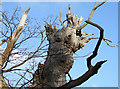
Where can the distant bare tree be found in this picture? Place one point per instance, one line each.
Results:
(62, 45)
(14, 50)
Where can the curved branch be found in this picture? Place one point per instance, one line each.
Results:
(84, 77)
(97, 46)
(111, 45)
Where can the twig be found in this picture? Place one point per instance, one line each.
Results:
(23, 70)
(20, 78)
(8, 70)
(70, 77)
(88, 35)
(95, 7)
(60, 20)
(111, 45)
(8, 82)
(105, 39)
(25, 83)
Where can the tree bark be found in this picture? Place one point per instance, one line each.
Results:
(62, 44)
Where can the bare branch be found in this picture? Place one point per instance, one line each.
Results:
(95, 7)
(69, 76)
(23, 70)
(95, 3)
(8, 82)
(88, 35)
(13, 39)
(105, 39)
(111, 45)
(97, 46)
(21, 78)
(3, 41)
(8, 70)
(84, 77)
(26, 83)
(60, 19)
(19, 30)
(4, 23)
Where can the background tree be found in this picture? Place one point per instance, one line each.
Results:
(62, 45)
(14, 52)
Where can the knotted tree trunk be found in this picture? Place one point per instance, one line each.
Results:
(63, 43)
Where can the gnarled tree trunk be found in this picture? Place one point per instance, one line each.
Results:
(63, 43)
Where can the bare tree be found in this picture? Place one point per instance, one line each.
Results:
(62, 45)
(13, 53)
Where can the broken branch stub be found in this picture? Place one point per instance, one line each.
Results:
(14, 38)
(19, 30)
(10, 45)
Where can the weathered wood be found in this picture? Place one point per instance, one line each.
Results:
(10, 45)
(62, 45)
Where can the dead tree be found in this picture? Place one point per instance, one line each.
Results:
(63, 43)
(11, 31)
(10, 45)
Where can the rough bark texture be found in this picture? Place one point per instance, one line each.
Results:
(63, 43)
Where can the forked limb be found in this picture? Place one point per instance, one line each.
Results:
(89, 65)
(105, 39)
(93, 10)
(60, 20)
